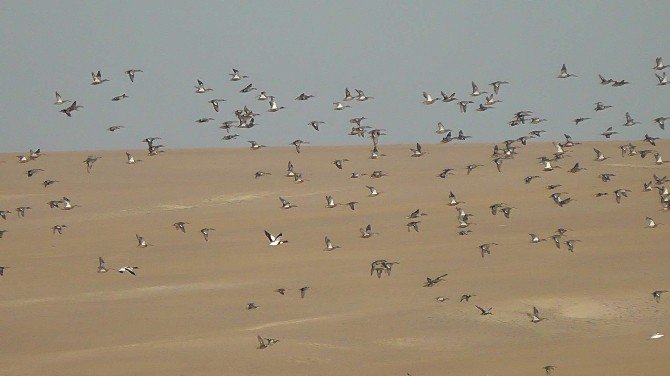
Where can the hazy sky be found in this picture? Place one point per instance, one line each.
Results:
(392, 50)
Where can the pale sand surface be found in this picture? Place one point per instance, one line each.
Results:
(185, 312)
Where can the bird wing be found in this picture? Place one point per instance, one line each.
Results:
(269, 236)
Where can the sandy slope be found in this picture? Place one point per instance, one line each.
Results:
(185, 312)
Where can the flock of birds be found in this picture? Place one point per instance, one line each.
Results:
(501, 153)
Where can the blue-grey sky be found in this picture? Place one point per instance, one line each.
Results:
(393, 50)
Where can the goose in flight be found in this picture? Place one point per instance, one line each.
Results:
(428, 99)
(115, 128)
(215, 103)
(651, 140)
(73, 107)
(275, 240)
(581, 119)
(662, 79)
(413, 225)
(630, 121)
(658, 159)
(119, 97)
(67, 204)
(21, 211)
(571, 244)
(373, 191)
(285, 204)
(129, 269)
(330, 203)
(339, 106)
(273, 105)
(141, 242)
(609, 133)
(622, 192)
(535, 316)
(535, 239)
(89, 162)
(659, 64)
(463, 106)
(131, 159)
(361, 96)
(33, 171)
(329, 245)
(606, 177)
(441, 129)
(576, 168)
(236, 76)
(205, 232)
(201, 88)
(367, 232)
(483, 311)
(475, 90)
(496, 86)
(303, 291)
(486, 248)
(60, 100)
(102, 266)
(315, 124)
(445, 173)
(651, 223)
(251, 306)
(529, 179)
(266, 342)
(180, 226)
(131, 74)
(3, 213)
(97, 78)
(303, 97)
(660, 121)
(564, 73)
(58, 229)
(657, 335)
(448, 98)
(417, 152)
(560, 201)
(416, 214)
(254, 145)
(453, 201)
(600, 106)
(298, 143)
(657, 295)
(430, 282)
(347, 95)
(248, 89)
(549, 369)
(604, 81)
(466, 297)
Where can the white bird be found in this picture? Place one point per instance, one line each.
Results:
(441, 129)
(657, 335)
(236, 76)
(129, 269)
(273, 105)
(275, 240)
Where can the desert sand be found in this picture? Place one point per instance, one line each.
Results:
(184, 313)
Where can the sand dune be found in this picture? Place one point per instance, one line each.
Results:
(185, 311)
